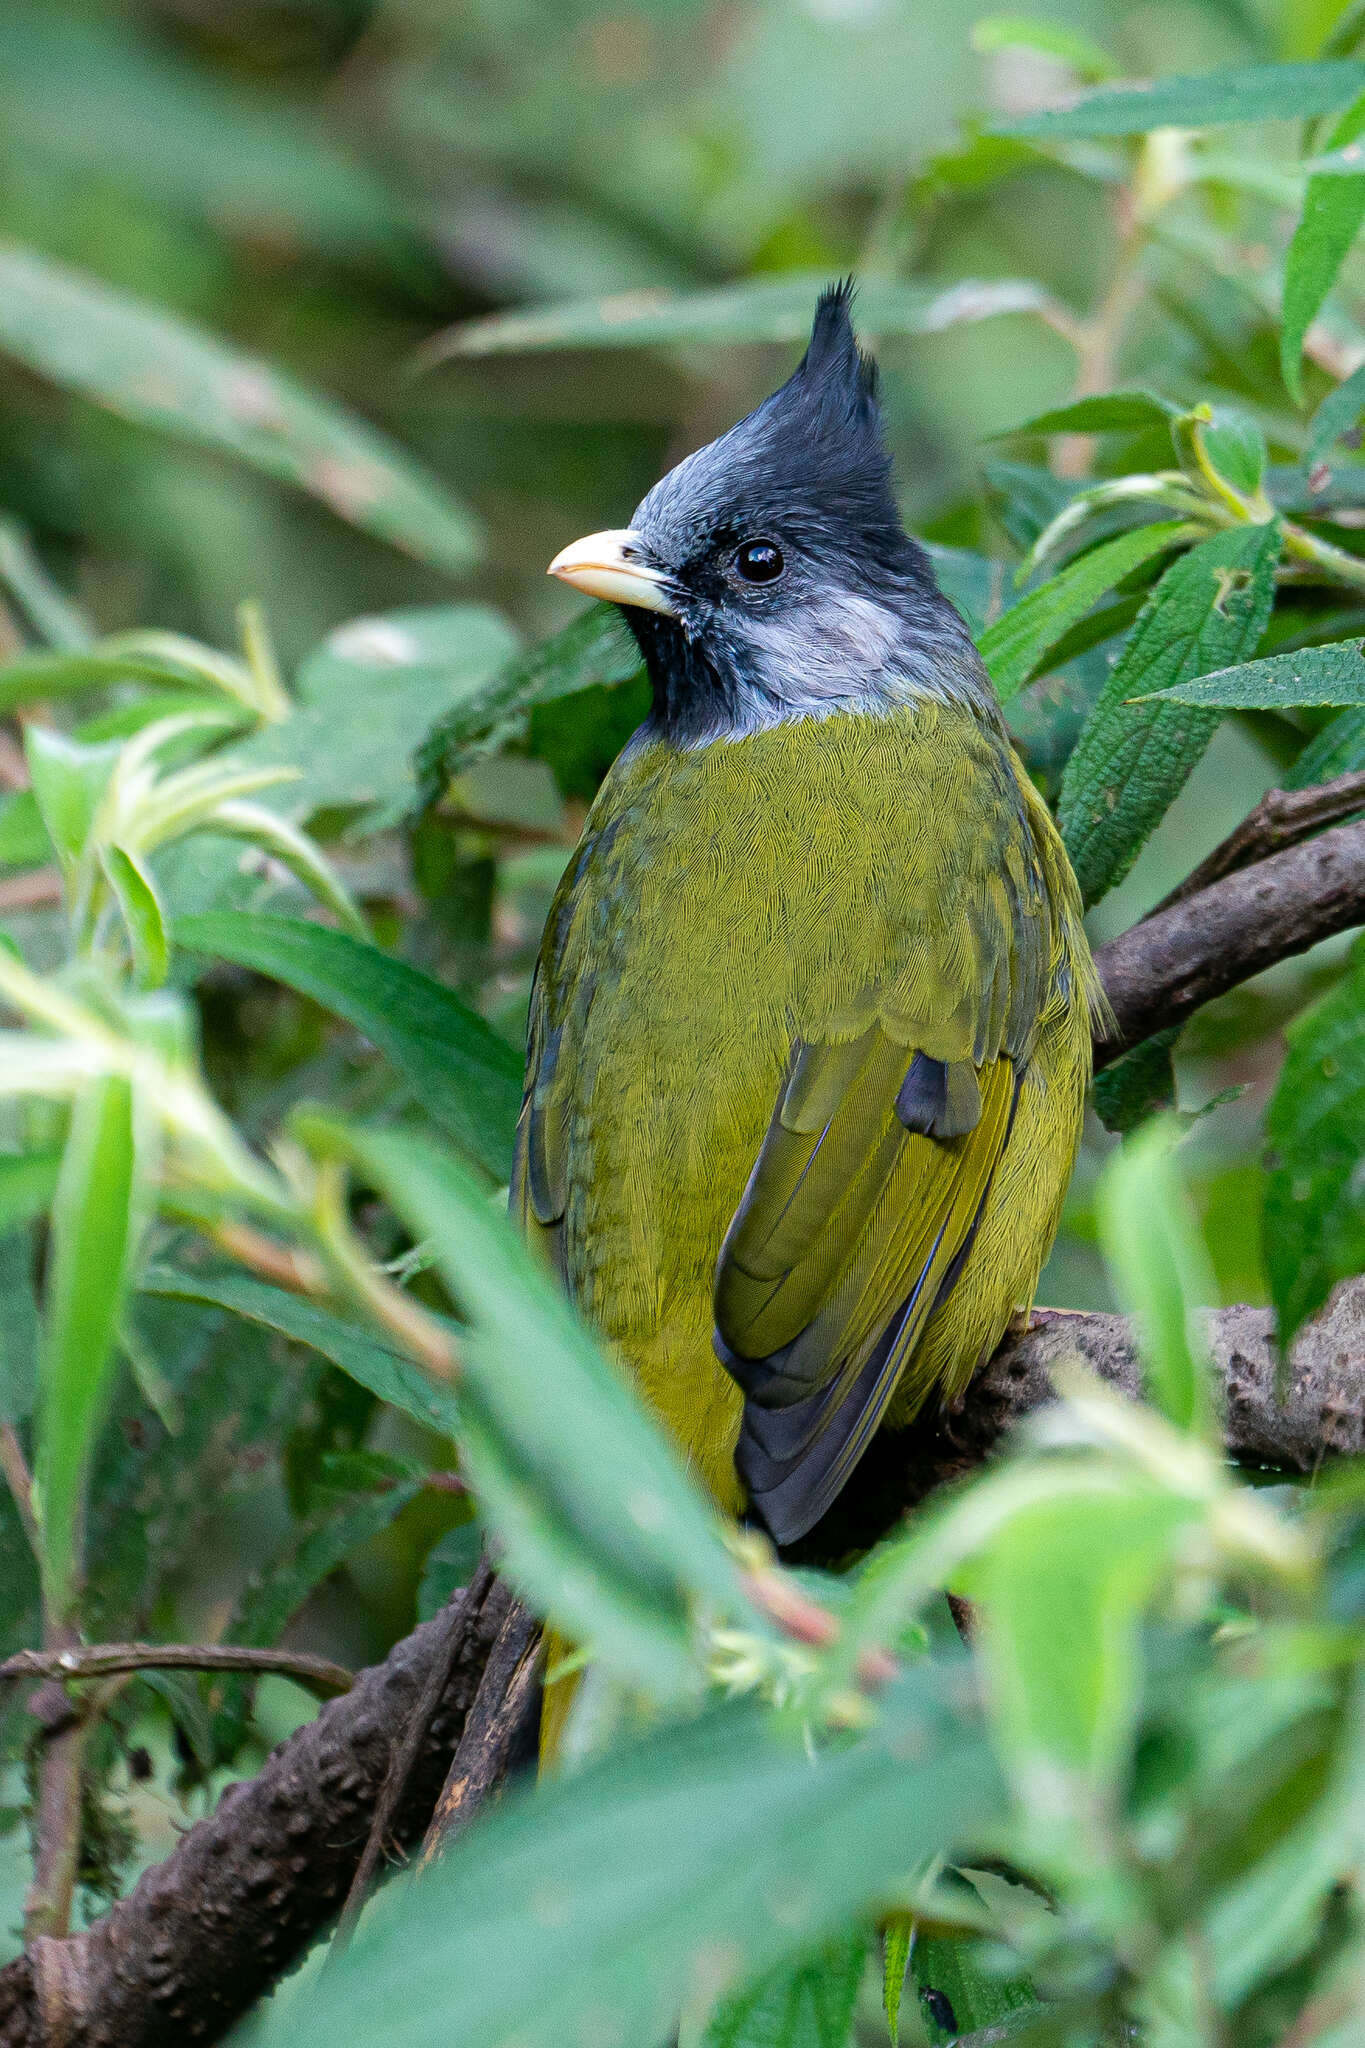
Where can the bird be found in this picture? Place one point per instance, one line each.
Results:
(810, 1026)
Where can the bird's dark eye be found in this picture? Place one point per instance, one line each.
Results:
(759, 561)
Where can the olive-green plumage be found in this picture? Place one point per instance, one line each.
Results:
(754, 939)
(811, 1028)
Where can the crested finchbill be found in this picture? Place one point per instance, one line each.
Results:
(810, 1034)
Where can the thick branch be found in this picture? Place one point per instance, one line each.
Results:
(204, 1934)
(1182, 957)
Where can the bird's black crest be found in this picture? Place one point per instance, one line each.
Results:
(834, 366)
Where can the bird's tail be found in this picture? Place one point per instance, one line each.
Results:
(557, 1697)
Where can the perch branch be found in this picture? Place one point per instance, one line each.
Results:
(104, 1660)
(496, 1723)
(1282, 818)
(1183, 956)
(203, 1934)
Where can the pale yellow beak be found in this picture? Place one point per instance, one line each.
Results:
(610, 565)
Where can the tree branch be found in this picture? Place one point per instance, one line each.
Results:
(1182, 957)
(104, 1660)
(202, 1935)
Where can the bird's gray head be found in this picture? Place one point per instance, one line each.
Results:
(768, 576)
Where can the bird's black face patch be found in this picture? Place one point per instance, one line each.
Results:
(797, 590)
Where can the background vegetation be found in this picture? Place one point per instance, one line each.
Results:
(322, 325)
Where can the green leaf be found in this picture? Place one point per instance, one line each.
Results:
(957, 1996)
(18, 1320)
(1338, 413)
(46, 607)
(1138, 1085)
(69, 780)
(896, 1945)
(761, 309)
(1235, 445)
(1015, 646)
(23, 836)
(1161, 1271)
(104, 102)
(388, 1374)
(1334, 674)
(1107, 412)
(28, 1182)
(95, 1222)
(463, 1075)
(149, 366)
(1027, 32)
(132, 884)
(1315, 1124)
(1208, 99)
(769, 1851)
(450, 1564)
(1132, 760)
(809, 2004)
(1333, 209)
(168, 661)
(596, 649)
(1336, 750)
(617, 1547)
(366, 699)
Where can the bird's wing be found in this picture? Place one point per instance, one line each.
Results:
(865, 1196)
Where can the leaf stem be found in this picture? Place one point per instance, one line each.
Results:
(104, 1660)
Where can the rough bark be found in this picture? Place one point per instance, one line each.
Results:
(1183, 956)
(204, 1934)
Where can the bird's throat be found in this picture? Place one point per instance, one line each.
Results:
(695, 699)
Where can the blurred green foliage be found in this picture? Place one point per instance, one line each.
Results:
(323, 324)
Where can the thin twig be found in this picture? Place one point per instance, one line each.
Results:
(496, 1723)
(15, 1472)
(1283, 817)
(31, 891)
(103, 1660)
(404, 1759)
(297, 1271)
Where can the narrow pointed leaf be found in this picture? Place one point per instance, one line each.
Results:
(1014, 647)
(95, 1220)
(132, 884)
(1333, 209)
(1106, 412)
(148, 365)
(463, 1075)
(1338, 413)
(1334, 674)
(1208, 99)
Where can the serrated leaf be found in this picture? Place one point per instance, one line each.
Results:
(150, 366)
(95, 1224)
(1208, 99)
(462, 1074)
(132, 884)
(596, 648)
(1315, 1126)
(573, 1876)
(392, 1377)
(1014, 647)
(618, 1550)
(959, 1997)
(1333, 209)
(1160, 1267)
(1106, 412)
(1137, 1086)
(761, 309)
(1334, 674)
(1132, 760)
(896, 1944)
(809, 2004)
